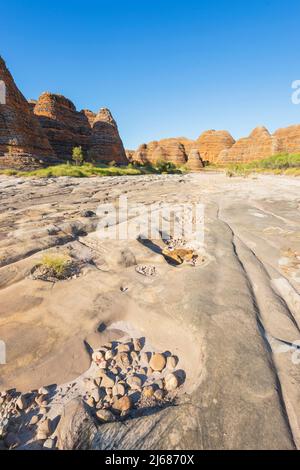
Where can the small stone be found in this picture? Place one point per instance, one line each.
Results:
(109, 392)
(97, 356)
(102, 364)
(145, 358)
(134, 357)
(159, 394)
(90, 401)
(137, 346)
(21, 403)
(49, 444)
(43, 391)
(157, 362)
(159, 383)
(171, 362)
(105, 416)
(149, 371)
(134, 382)
(108, 355)
(44, 429)
(118, 390)
(107, 381)
(171, 382)
(34, 420)
(122, 404)
(123, 348)
(123, 360)
(114, 370)
(148, 392)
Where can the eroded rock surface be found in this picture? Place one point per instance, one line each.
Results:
(232, 318)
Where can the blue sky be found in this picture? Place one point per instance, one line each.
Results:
(164, 68)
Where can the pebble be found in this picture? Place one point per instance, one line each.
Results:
(97, 356)
(90, 401)
(105, 416)
(171, 382)
(102, 364)
(122, 404)
(145, 358)
(43, 391)
(159, 383)
(134, 356)
(159, 394)
(157, 362)
(123, 360)
(107, 381)
(148, 392)
(34, 420)
(171, 362)
(108, 355)
(123, 348)
(149, 371)
(109, 392)
(114, 370)
(137, 346)
(118, 390)
(135, 382)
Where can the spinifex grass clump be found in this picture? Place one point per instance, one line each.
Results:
(57, 265)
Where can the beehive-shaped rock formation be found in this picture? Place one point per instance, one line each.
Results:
(23, 143)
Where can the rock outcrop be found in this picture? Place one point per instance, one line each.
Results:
(106, 144)
(288, 139)
(260, 144)
(211, 143)
(67, 128)
(176, 150)
(170, 150)
(23, 143)
(194, 162)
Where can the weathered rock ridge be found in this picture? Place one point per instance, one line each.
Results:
(67, 128)
(35, 133)
(22, 141)
(220, 147)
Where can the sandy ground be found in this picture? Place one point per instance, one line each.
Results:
(233, 319)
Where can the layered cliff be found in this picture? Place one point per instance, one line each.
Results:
(106, 145)
(260, 144)
(67, 128)
(177, 150)
(23, 143)
(211, 143)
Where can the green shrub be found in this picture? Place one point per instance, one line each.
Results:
(77, 155)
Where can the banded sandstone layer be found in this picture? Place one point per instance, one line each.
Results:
(220, 147)
(44, 132)
(22, 140)
(67, 128)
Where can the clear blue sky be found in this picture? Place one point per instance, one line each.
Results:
(164, 68)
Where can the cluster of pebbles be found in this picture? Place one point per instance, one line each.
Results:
(128, 378)
(123, 380)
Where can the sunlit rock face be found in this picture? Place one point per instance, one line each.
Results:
(22, 140)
